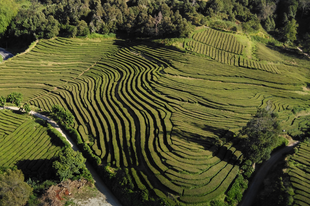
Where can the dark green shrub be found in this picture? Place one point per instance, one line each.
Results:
(234, 195)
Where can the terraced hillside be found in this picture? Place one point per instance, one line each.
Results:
(225, 48)
(50, 64)
(299, 175)
(25, 143)
(166, 117)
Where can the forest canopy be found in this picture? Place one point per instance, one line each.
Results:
(286, 20)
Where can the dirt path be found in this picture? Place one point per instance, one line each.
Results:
(307, 55)
(261, 174)
(110, 200)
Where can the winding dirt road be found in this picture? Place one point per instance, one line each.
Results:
(261, 174)
(110, 199)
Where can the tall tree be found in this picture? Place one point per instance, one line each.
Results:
(69, 163)
(289, 31)
(8, 10)
(157, 20)
(262, 135)
(13, 190)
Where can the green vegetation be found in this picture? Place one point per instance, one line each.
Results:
(219, 40)
(299, 174)
(50, 18)
(262, 135)
(2, 101)
(234, 195)
(294, 184)
(14, 191)
(267, 54)
(70, 164)
(32, 146)
(225, 48)
(65, 117)
(127, 93)
(161, 124)
(26, 144)
(15, 98)
(27, 108)
(8, 11)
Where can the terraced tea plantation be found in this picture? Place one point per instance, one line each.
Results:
(165, 117)
(50, 64)
(300, 175)
(25, 143)
(225, 48)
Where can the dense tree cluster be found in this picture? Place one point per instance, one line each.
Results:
(262, 135)
(134, 18)
(151, 18)
(71, 164)
(13, 98)
(283, 18)
(13, 190)
(8, 10)
(64, 116)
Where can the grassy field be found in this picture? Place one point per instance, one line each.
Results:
(169, 117)
(25, 143)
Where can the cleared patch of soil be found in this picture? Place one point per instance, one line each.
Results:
(78, 192)
(306, 89)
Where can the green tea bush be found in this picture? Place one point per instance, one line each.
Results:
(57, 136)
(295, 110)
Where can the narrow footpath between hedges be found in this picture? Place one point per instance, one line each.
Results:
(110, 199)
(251, 193)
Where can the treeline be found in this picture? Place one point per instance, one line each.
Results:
(286, 20)
(151, 18)
(134, 18)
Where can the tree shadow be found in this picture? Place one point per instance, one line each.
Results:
(292, 53)
(215, 145)
(131, 43)
(54, 138)
(40, 169)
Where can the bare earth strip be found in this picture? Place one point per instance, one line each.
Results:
(110, 200)
(261, 174)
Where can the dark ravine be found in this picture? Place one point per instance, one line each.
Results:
(261, 174)
(110, 198)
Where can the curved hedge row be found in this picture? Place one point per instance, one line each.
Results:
(299, 175)
(219, 40)
(230, 58)
(129, 126)
(26, 143)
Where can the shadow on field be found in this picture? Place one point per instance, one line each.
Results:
(40, 169)
(163, 55)
(143, 42)
(215, 145)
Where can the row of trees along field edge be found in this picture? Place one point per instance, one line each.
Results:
(27, 20)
